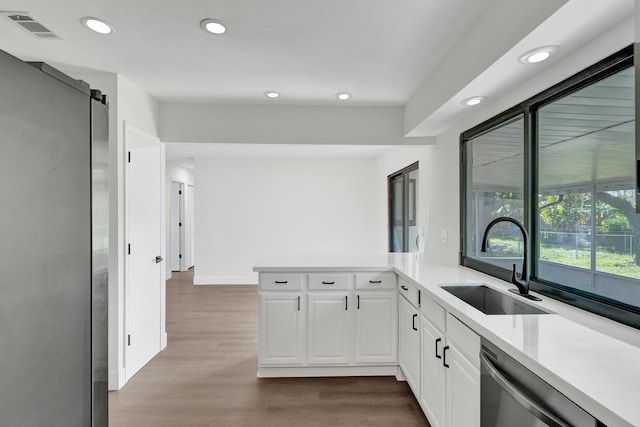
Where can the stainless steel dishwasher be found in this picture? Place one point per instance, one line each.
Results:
(511, 395)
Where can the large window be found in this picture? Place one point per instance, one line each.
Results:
(563, 163)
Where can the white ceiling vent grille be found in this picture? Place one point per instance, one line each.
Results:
(30, 24)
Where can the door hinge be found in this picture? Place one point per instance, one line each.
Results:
(129, 157)
(129, 249)
(180, 256)
(179, 191)
(179, 224)
(129, 339)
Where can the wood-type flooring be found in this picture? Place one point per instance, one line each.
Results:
(206, 377)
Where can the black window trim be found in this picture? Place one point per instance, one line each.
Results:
(603, 306)
(404, 172)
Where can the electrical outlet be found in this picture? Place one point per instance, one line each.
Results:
(444, 236)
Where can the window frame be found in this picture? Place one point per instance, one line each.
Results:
(615, 310)
(406, 221)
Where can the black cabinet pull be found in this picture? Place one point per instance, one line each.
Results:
(346, 303)
(419, 297)
(444, 356)
(328, 283)
(375, 281)
(283, 282)
(298, 303)
(413, 322)
(437, 355)
(358, 302)
(404, 288)
(158, 259)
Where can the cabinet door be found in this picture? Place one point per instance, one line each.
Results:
(433, 378)
(463, 390)
(329, 325)
(409, 343)
(282, 329)
(376, 327)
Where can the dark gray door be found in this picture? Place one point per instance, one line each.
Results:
(45, 249)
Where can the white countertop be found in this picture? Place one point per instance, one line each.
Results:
(592, 360)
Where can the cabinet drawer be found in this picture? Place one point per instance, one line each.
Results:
(409, 291)
(464, 338)
(434, 312)
(281, 282)
(379, 280)
(330, 281)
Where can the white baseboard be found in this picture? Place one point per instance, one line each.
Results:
(225, 280)
(163, 341)
(326, 371)
(117, 379)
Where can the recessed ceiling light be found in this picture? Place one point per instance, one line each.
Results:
(213, 26)
(271, 94)
(343, 96)
(475, 100)
(538, 54)
(97, 25)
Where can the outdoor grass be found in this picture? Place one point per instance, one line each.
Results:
(608, 262)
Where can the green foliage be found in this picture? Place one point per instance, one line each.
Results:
(615, 223)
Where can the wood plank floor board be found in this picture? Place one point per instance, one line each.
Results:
(206, 377)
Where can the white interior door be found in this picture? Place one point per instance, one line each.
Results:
(144, 271)
(177, 222)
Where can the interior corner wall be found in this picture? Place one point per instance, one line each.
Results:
(442, 166)
(178, 173)
(251, 207)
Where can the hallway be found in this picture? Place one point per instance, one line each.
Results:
(207, 375)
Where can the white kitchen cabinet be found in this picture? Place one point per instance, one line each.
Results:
(463, 390)
(433, 376)
(329, 328)
(409, 343)
(450, 375)
(376, 327)
(345, 323)
(282, 329)
(461, 357)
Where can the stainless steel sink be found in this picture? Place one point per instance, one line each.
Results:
(490, 301)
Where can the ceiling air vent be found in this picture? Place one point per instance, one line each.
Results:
(30, 24)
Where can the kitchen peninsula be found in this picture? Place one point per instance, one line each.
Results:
(591, 360)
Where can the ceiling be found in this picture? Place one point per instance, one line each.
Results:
(308, 50)
(380, 51)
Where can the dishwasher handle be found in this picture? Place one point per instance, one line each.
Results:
(538, 411)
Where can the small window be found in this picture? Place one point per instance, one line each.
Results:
(403, 210)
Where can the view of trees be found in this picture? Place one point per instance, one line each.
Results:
(566, 225)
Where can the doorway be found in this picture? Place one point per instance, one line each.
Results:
(404, 232)
(181, 223)
(177, 226)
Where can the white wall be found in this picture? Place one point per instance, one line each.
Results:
(178, 173)
(284, 124)
(442, 183)
(249, 207)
